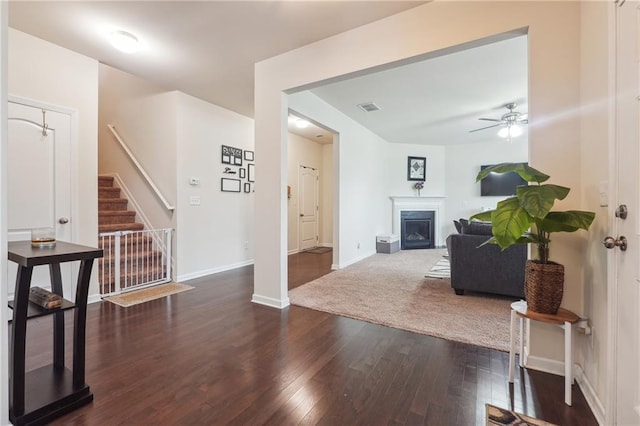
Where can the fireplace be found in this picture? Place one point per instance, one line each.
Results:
(417, 229)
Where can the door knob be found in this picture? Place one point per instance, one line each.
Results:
(63, 220)
(610, 242)
(622, 211)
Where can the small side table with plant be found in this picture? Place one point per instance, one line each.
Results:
(527, 218)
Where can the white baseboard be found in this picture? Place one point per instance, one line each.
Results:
(557, 367)
(545, 365)
(326, 245)
(94, 298)
(294, 251)
(352, 261)
(270, 301)
(205, 272)
(597, 408)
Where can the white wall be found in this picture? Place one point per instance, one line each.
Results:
(301, 152)
(463, 164)
(175, 137)
(553, 30)
(144, 115)
(218, 234)
(363, 203)
(398, 154)
(68, 80)
(4, 337)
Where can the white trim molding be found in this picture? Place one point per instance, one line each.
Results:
(270, 301)
(336, 266)
(206, 272)
(427, 203)
(557, 367)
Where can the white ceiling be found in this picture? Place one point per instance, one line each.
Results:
(208, 49)
(438, 101)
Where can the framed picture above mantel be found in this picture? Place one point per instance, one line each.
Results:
(416, 168)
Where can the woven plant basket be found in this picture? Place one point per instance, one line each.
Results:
(543, 286)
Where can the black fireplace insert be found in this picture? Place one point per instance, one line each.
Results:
(417, 229)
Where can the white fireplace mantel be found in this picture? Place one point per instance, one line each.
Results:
(429, 203)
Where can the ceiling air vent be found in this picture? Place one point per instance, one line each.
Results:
(369, 107)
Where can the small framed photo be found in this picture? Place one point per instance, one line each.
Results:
(248, 155)
(242, 173)
(231, 155)
(229, 185)
(416, 168)
(251, 171)
(247, 187)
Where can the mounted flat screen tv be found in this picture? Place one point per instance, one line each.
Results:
(500, 184)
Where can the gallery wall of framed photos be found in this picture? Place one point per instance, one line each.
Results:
(238, 169)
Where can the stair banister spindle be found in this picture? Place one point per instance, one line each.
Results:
(142, 171)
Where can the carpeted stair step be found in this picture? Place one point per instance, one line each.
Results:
(107, 192)
(145, 258)
(114, 227)
(111, 217)
(131, 241)
(112, 204)
(105, 181)
(132, 278)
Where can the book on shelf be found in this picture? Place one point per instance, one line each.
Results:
(44, 298)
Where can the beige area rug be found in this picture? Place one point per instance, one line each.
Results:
(147, 294)
(392, 290)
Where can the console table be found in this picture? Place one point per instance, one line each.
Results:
(563, 318)
(48, 392)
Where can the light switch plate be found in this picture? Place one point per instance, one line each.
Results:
(604, 193)
(194, 181)
(194, 200)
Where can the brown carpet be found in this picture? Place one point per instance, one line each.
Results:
(147, 294)
(392, 290)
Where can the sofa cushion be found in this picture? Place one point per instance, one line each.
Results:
(458, 226)
(477, 228)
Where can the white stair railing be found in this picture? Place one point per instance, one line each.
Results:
(134, 259)
(141, 169)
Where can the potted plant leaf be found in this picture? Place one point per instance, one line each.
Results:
(527, 218)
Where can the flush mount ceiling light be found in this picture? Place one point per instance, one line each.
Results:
(302, 124)
(124, 41)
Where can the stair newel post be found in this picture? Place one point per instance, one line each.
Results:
(116, 281)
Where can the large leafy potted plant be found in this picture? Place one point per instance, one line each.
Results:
(527, 218)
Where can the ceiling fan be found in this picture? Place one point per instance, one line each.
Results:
(510, 122)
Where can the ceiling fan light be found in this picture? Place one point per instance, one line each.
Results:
(504, 132)
(515, 131)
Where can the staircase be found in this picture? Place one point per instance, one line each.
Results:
(141, 258)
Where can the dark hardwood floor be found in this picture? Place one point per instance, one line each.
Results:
(210, 356)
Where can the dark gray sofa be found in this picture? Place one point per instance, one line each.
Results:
(487, 269)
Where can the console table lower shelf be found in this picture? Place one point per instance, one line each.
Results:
(51, 395)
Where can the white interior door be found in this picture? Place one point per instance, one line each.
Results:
(39, 181)
(308, 205)
(626, 178)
